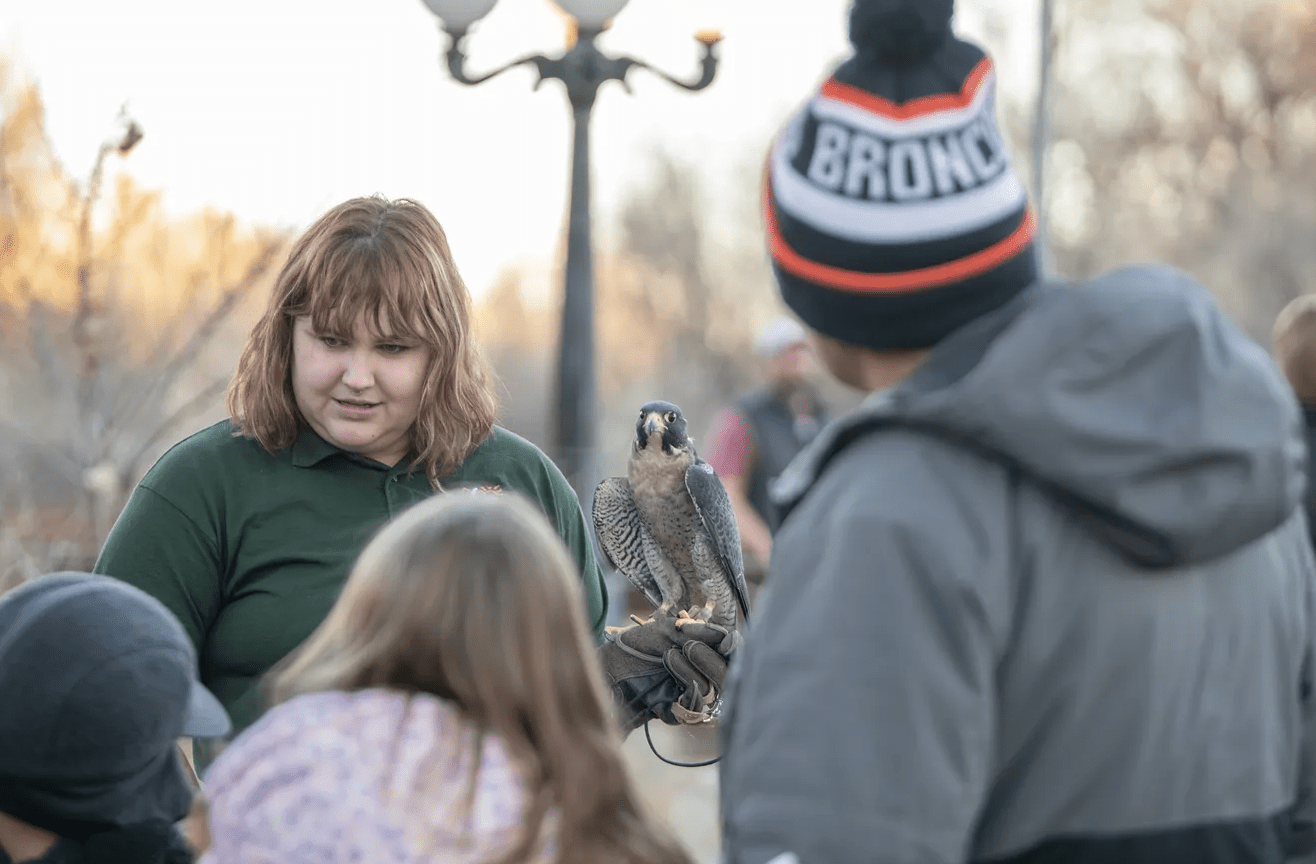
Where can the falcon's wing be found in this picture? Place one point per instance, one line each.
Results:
(617, 525)
(714, 506)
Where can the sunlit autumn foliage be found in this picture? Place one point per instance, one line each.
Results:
(120, 325)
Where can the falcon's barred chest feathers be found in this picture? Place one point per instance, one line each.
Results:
(668, 526)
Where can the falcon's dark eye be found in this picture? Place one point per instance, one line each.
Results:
(670, 417)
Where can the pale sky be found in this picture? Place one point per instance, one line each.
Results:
(279, 109)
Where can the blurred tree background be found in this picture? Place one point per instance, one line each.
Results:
(1183, 131)
(117, 334)
(678, 306)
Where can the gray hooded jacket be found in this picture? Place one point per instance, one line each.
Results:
(1050, 599)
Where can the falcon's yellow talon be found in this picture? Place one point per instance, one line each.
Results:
(691, 616)
(613, 631)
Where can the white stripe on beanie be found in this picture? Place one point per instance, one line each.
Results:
(864, 220)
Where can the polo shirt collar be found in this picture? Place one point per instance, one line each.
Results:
(309, 449)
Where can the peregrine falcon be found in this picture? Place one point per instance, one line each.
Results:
(668, 525)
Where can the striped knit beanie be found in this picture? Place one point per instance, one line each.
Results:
(893, 216)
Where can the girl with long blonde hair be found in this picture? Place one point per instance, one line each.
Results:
(449, 708)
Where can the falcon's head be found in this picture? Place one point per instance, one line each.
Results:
(661, 423)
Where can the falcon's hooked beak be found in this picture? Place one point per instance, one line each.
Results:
(654, 424)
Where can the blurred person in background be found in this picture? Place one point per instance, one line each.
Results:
(359, 393)
(1295, 348)
(97, 683)
(449, 708)
(751, 442)
(1048, 594)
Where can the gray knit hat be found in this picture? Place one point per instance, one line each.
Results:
(97, 683)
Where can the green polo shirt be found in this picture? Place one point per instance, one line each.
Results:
(249, 550)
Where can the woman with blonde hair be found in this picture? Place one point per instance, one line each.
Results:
(448, 709)
(359, 393)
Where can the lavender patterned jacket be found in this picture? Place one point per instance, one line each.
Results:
(372, 776)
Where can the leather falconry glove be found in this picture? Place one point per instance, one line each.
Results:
(674, 673)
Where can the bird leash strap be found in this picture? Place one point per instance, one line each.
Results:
(663, 758)
(638, 701)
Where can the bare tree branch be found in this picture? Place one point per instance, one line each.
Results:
(205, 330)
(199, 402)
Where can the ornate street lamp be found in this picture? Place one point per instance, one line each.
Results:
(582, 69)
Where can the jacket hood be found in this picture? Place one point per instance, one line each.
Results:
(1131, 397)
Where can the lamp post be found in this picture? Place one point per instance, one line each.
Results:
(582, 70)
(1042, 131)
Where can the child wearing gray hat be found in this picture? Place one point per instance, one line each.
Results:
(97, 683)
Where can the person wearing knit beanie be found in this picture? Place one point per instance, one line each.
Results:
(1047, 594)
(892, 212)
(98, 681)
